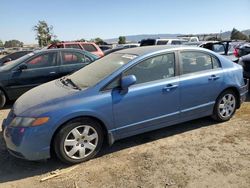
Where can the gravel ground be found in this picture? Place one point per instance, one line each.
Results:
(199, 153)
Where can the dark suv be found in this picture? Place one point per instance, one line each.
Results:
(39, 67)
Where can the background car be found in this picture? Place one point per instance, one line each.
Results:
(87, 46)
(242, 49)
(120, 95)
(245, 62)
(13, 56)
(151, 42)
(225, 48)
(37, 68)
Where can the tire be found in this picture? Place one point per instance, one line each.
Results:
(78, 141)
(225, 106)
(2, 99)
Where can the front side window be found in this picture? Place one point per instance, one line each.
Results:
(162, 42)
(72, 58)
(44, 60)
(192, 62)
(156, 68)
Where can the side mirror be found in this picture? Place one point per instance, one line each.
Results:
(127, 81)
(7, 60)
(22, 67)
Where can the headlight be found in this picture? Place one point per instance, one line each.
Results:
(27, 122)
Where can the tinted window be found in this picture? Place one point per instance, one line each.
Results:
(197, 61)
(89, 47)
(45, 60)
(72, 46)
(148, 42)
(162, 42)
(156, 68)
(176, 42)
(72, 58)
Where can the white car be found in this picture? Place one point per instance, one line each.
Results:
(151, 42)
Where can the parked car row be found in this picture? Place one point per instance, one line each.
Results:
(155, 86)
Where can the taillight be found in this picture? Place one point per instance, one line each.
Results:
(236, 52)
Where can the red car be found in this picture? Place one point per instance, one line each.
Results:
(88, 46)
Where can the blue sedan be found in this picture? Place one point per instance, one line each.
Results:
(122, 94)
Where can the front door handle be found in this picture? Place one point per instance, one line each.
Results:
(52, 72)
(169, 87)
(213, 77)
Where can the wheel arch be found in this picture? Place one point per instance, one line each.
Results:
(236, 91)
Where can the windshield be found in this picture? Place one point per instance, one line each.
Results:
(13, 63)
(101, 68)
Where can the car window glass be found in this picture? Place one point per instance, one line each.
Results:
(176, 42)
(195, 61)
(162, 42)
(219, 48)
(72, 58)
(89, 47)
(156, 68)
(44, 60)
(216, 63)
(72, 46)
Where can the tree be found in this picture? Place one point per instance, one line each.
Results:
(44, 33)
(1, 43)
(13, 43)
(237, 35)
(122, 40)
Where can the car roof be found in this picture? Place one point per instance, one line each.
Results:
(59, 49)
(151, 49)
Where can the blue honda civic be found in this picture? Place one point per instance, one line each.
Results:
(122, 94)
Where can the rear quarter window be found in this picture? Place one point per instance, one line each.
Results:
(89, 47)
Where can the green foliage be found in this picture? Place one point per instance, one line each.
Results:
(81, 40)
(237, 35)
(1, 43)
(13, 43)
(99, 41)
(44, 33)
(122, 40)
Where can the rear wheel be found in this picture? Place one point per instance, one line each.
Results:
(225, 106)
(78, 141)
(2, 99)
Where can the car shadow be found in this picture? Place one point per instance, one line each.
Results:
(12, 168)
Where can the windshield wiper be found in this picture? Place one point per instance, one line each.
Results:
(68, 81)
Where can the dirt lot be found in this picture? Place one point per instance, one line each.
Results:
(199, 153)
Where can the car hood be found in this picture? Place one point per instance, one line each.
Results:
(45, 94)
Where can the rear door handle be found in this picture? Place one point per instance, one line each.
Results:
(169, 87)
(52, 72)
(213, 77)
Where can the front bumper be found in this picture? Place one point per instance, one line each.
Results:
(30, 143)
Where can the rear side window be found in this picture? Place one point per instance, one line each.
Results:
(176, 42)
(155, 68)
(73, 58)
(89, 47)
(44, 60)
(148, 42)
(192, 62)
(162, 42)
(72, 46)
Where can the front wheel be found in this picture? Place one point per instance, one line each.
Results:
(78, 141)
(225, 106)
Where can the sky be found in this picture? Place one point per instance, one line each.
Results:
(76, 19)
